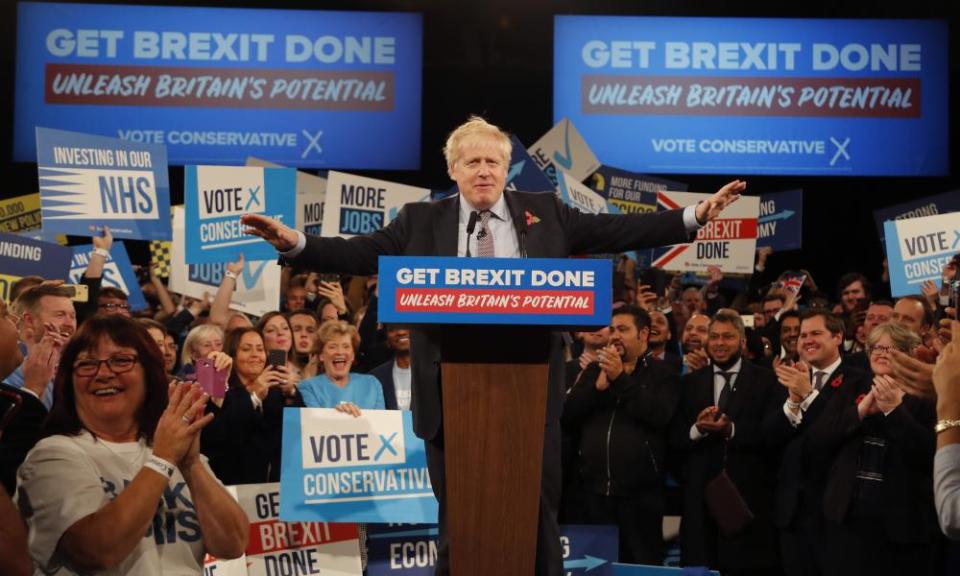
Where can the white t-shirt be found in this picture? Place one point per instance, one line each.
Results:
(66, 478)
(401, 386)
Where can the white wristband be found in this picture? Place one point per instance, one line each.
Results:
(101, 252)
(230, 274)
(159, 465)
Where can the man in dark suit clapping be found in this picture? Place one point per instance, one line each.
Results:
(718, 427)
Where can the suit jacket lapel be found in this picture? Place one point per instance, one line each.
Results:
(446, 227)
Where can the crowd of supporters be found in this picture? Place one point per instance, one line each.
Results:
(791, 427)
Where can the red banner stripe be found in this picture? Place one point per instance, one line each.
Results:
(272, 535)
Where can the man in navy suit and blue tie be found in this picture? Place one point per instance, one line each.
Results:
(508, 225)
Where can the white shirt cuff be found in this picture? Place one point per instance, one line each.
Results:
(690, 218)
(794, 419)
(30, 392)
(296, 250)
(695, 434)
(809, 400)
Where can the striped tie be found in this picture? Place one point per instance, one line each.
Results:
(484, 237)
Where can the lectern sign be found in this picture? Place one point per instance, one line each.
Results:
(536, 291)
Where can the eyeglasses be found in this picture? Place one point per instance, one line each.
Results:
(118, 364)
(112, 306)
(881, 349)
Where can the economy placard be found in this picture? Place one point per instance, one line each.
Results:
(728, 242)
(89, 181)
(631, 193)
(527, 291)
(780, 224)
(563, 148)
(21, 256)
(258, 285)
(681, 95)
(20, 214)
(311, 194)
(411, 549)
(216, 197)
(927, 206)
(302, 548)
(918, 249)
(338, 468)
(302, 88)
(117, 272)
(358, 205)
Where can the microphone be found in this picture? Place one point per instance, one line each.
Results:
(471, 224)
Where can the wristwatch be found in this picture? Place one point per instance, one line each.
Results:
(944, 425)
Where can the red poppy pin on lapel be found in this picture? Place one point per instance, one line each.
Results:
(836, 382)
(531, 219)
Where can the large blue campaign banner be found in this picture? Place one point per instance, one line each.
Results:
(117, 272)
(780, 225)
(87, 182)
(216, 85)
(215, 197)
(534, 291)
(411, 550)
(22, 256)
(337, 468)
(756, 95)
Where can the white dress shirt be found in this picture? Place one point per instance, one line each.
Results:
(796, 419)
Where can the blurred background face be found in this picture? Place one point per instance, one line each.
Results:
(328, 312)
(659, 329)
(880, 355)
(209, 343)
(277, 334)
(695, 332)
(909, 314)
(113, 305)
(851, 293)
(56, 310)
(304, 330)
(723, 342)
(876, 314)
(789, 333)
(161, 339)
(296, 298)
(337, 357)
(251, 356)
(169, 353)
(771, 307)
(399, 339)
(692, 300)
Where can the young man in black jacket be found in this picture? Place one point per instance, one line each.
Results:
(621, 405)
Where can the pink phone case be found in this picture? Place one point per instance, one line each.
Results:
(213, 381)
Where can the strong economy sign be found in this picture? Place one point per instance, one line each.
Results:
(756, 95)
(215, 85)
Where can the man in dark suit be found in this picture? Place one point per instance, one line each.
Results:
(718, 427)
(511, 225)
(817, 384)
(394, 374)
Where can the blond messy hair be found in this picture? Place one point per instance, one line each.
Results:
(474, 128)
